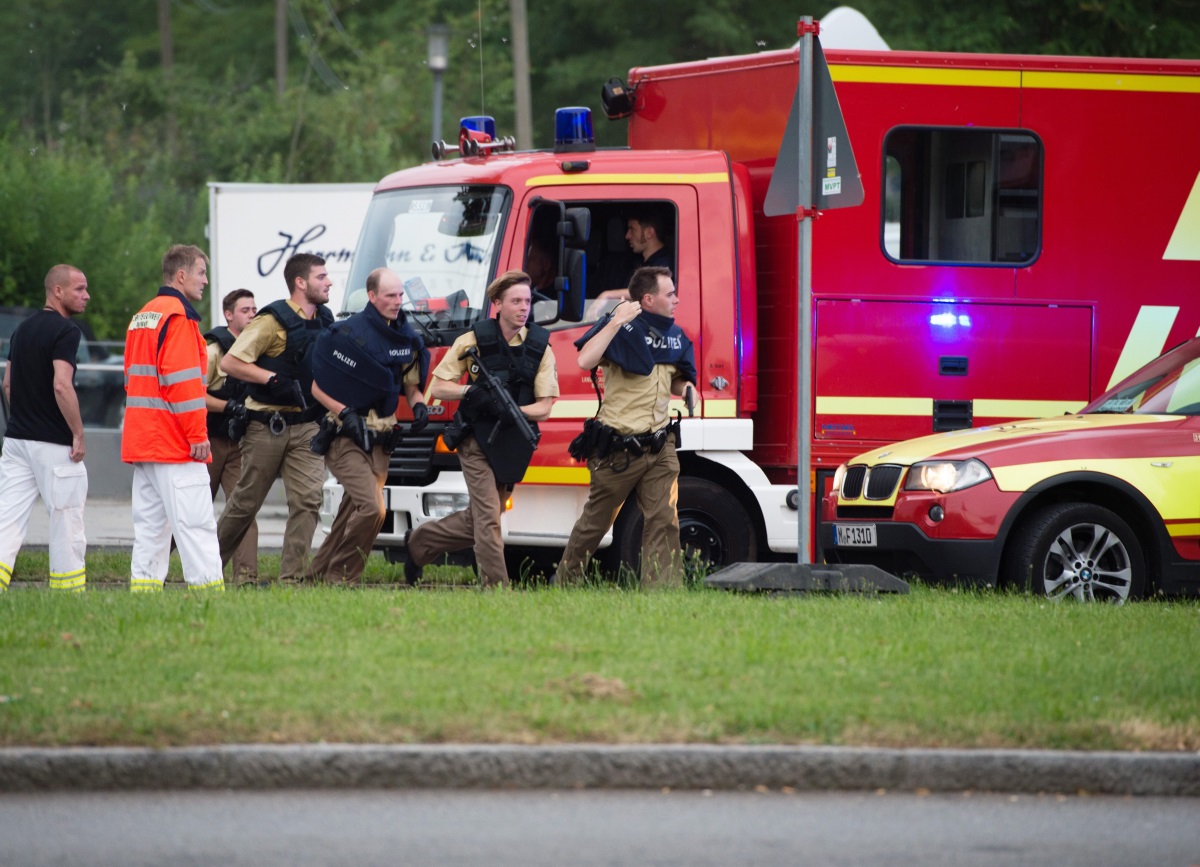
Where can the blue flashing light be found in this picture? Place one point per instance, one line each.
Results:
(949, 320)
(480, 123)
(573, 129)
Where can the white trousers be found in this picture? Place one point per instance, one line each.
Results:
(173, 500)
(29, 469)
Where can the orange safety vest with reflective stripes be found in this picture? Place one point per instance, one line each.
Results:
(165, 363)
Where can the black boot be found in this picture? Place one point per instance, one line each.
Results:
(412, 572)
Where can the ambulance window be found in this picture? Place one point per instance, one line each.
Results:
(962, 196)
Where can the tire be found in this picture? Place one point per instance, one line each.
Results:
(714, 530)
(1079, 551)
(528, 566)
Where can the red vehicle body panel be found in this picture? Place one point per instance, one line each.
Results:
(1119, 140)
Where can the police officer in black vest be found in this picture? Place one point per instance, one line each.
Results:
(518, 355)
(274, 355)
(226, 404)
(360, 368)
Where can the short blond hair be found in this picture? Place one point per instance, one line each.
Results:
(180, 257)
(504, 282)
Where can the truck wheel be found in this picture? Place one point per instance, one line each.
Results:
(530, 566)
(1079, 551)
(714, 529)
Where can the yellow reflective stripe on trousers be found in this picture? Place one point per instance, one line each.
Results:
(215, 586)
(145, 585)
(70, 581)
(5, 576)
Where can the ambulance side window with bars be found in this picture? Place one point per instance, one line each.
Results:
(962, 196)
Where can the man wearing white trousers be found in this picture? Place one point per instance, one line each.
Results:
(165, 435)
(44, 446)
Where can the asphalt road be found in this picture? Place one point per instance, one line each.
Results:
(529, 829)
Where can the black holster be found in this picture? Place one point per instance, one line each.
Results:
(457, 431)
(324, 437)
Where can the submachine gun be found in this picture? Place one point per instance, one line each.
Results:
(510, 412)
(504, 433)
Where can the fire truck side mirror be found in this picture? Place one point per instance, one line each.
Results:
(570, 301)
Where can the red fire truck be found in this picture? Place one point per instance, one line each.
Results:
(1030, 234)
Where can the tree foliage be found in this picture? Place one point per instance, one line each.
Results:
(106, 153)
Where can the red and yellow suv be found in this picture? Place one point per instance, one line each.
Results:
(1100, 505)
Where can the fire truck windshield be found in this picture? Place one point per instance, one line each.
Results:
(443, 242)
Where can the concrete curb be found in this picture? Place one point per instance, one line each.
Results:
(349, 766)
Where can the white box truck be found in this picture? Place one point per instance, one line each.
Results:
(254, 228)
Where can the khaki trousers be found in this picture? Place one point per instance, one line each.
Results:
(266, 457)
(223, 473)
(477, 525)
(656, 480)
(343, 555)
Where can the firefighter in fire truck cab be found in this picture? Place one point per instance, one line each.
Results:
(493, 451)
(360, 368)
(630, 444)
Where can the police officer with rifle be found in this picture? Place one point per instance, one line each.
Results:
(512, 383)
(360, 368)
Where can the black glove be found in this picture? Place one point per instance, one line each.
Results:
(354, 427)
(480, 402)
(282, 390)
(420, 417)
(235, 414)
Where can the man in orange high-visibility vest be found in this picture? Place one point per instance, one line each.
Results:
(165, 435)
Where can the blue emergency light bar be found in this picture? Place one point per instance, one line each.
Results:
(573, 130)
(480, 123)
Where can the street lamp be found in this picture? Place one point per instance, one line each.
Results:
(439, 59)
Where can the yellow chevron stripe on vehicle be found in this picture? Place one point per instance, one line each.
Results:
(1161, 485)
(1111, 81)
(949, 76)
(557, 476)
(1183, 529)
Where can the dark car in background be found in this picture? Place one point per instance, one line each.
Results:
(99, 375)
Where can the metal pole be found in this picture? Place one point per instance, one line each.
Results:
(437, 105)
(523, 104)
(438, 62)
(804, 212)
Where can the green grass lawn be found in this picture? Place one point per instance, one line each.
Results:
(449, 663)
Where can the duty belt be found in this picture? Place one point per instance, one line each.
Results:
(277, 421)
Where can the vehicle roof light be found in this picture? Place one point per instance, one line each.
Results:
(476, 135)
(573, 130)
(480, 123)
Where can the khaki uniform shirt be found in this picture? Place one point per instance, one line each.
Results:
(214, 377)
(636, 404)
(452, 366)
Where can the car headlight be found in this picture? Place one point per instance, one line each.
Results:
(839, 476)
(946, 476)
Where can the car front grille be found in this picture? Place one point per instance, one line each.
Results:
(880, 482)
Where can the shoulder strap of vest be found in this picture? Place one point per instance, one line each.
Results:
(283, 312)
(487, 336)
(222, 336)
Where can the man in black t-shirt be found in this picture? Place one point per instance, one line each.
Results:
(43, 446)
